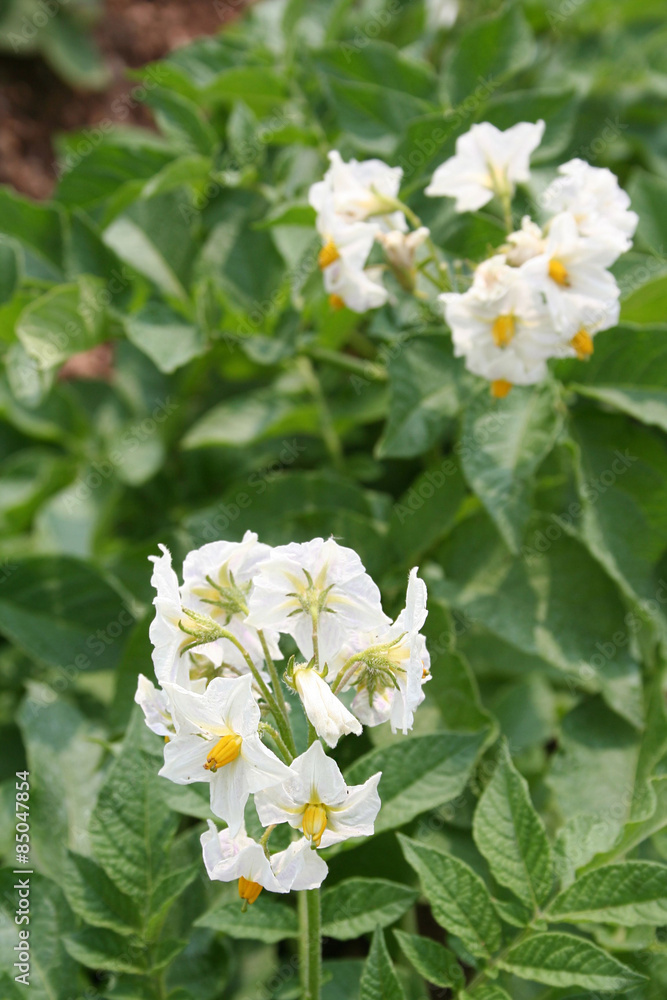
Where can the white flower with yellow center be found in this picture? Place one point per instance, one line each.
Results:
(342, 262)
(571, 273)
(315, 586)
(316, 799)
(357, 192)
(487, 162)
(324, 710)
(601, 208)
(228, 857)
(388, 667)
(217, 740)
(501, 326)
(217, 581)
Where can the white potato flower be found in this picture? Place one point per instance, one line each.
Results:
(401, 248)
(390, 665)
(487, 162)
(599, 205)
(228, 857)
(170, 658)
(502, 327)
(342, 261)
(442, 13)
(318, 582)
(357, 192)
(217, 740)
(571, 273)
(155, 705)
(316, 800)
(217, 581)
(324, 710)
(525, 243)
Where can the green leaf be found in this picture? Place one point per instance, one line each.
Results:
(453, 685)
(39, 229)
(485, 991)
(564, 960)
(359, 905)
(636, 832)
(556, 604)
(646, 304)
(622, 481)
(503, 442)
(132, 828)
(418, 774)
(648, 194)
(181, 120)
(98, 948)
(62, 322)
(93, 176)
(10, 271)
(490, 49)
(261, 88)
(628, 371)
(164, 336)
(153, 236)
(52, 971)
(375, 92)
(427, 510)
(54, 610)
(95, 898)
(510, 834)
(249, 418)
(266, 920)
(459, 898)
(379, 980)
(630, 894)
(432, 960)
(424, 380)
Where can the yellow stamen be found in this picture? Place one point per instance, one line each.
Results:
(327, 255)
(558, 273)
(583, 344)
(503, 330)
(224, 752)
(500, 388)
(336, 302)
(249, 890)
(314, 822)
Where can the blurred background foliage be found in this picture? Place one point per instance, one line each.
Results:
(172, 371)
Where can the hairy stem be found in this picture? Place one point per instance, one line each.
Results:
(286, 730)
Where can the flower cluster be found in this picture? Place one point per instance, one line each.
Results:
(544, 293)
(215, 646)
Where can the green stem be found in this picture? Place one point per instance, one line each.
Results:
(314, 936)
(286, 730)
(327, 428)
(303, 942)
(286, 753)
(347, 670)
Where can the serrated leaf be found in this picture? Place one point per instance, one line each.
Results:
(379, 980)
(93, 896)
(510, 834)
(629, 894)
(459, 898)
(418, 774)
(432, 960)
(565, 960)
(266, 920)
(504, 443)
(359, 905)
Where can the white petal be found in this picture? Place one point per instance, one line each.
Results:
(299, 867)
(356, 816)
(184, 759)
(229, 794)
(325, 711)
(262, 767)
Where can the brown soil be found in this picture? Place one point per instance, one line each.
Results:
(35, 104)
